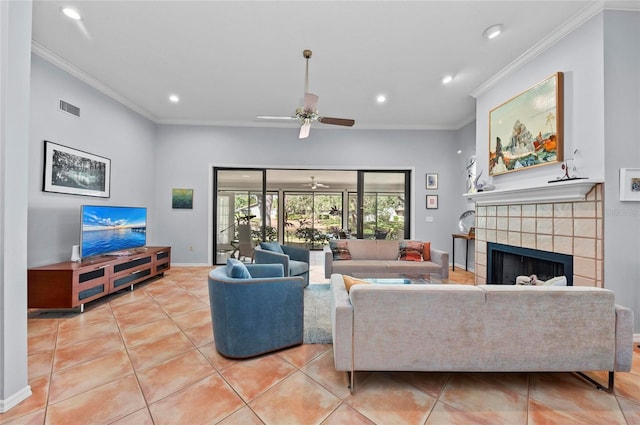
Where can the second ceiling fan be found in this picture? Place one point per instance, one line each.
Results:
(308, 112)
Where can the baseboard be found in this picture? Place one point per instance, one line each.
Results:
(190, 264)
(16, 398)
(460, 267)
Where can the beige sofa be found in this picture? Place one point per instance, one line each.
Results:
(489, 328)
(379, 258)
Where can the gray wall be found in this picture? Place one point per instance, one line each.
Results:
(105, 128)
(601, 65)
(15, 40)
(622, 139)
(185, 156)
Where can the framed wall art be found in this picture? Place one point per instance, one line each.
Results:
(182, 199)
(432, 202)
(432, 181)
(630, 184)
(71, 171)
(526, 131)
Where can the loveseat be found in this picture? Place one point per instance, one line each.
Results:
(380, 259)
(485, 328)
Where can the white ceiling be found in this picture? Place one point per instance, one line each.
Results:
(231, 61)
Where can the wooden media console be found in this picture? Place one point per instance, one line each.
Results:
(72, 284)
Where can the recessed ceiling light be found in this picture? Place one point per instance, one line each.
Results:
(447, 79)
(174, 98)
(71, 13)
(381, 98)
(493, 31)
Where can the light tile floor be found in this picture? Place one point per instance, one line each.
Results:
(147, 357)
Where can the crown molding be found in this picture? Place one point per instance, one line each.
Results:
(61, 63)
(571, 25)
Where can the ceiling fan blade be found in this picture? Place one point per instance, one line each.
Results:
(337, 121)
(304, 129)
(310, 102)
(272, 117)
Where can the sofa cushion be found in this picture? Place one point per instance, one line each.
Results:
(237, 270)
(272, 246)
(350, 281)
(386, 250)
(361, 249)
(369, 268)
(340, 250)
(410, 251)
(426, 251)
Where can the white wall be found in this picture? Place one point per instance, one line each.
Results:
(185, 156)
(579, 56)
(622, 139)
(105, 128)
(15, 42)
(601, 65)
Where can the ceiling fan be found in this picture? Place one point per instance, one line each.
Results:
(315, 185)
(308, 113)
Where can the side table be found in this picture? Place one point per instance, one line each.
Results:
(467, 236)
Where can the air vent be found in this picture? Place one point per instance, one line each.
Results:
(69, 108)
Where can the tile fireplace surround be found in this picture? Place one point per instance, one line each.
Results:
(554, 222)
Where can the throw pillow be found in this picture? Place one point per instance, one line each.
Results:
(340, 250)
(272, 246)
(426, 251)
(410, 251)
(237, 270)
(350, 281)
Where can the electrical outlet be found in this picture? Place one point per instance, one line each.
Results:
(428, 219)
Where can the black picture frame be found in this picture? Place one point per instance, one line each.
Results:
(432, 202)
(75, 172)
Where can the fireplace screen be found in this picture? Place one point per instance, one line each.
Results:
(506, 262)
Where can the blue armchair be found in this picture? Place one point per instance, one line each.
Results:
(259, 312)
(294, 260)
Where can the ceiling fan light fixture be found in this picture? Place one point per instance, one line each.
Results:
(304, 129)
(493, 31)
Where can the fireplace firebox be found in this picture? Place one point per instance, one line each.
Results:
(506, 262)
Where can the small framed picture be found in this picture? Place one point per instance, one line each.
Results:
(630, 184)
(182, 199)
(432, 181)
(432, 202)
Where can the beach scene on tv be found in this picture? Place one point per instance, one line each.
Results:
(112, 230)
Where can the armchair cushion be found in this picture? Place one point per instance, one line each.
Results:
(272, 246)
(237, 270)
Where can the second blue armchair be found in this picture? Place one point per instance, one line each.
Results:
(294, 260)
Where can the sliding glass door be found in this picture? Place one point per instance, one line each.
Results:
(240, 208)
(306, 207)
(380, 204)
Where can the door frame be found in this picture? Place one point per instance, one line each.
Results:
(410, 193)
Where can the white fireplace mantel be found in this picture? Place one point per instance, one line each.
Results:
(563, 191)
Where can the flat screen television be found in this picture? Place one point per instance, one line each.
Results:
(110, 230)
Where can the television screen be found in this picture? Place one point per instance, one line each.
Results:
(112, 230)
